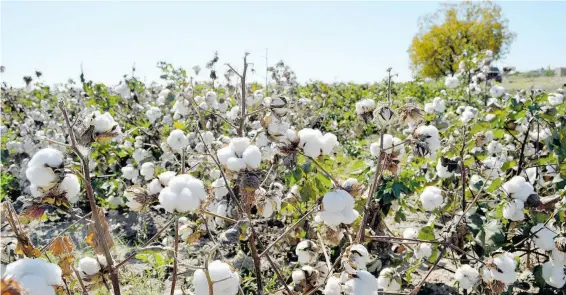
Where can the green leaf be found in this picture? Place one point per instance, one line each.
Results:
(495, 184)
(179, 125)
(426, 233)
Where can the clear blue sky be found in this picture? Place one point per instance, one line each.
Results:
(329, 41)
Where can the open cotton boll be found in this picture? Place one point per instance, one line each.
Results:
(358, 256)
(313, 148)
(364, 283)
(307, 134)
(410, 233)
(252, 156)
(514, 210)
(183, 193)
(553, 274)
(306, 252)
(365, 106)
(467, 115)
(497, 91)
(89, 266)
(333, 286)
(152, 114)
(388, 281)
(226, 282)
(451, 82)
(236, 164)
(166, 176)
(220, 189)
(47, 156)
(35, 275)
(518, 188)
(129, 172)
(423, 251)
(543, 237)
(336, 201)
(558, 257)
(442, 171)
(71, 186)
(329, 142)
(224, 154)
(429, 134)
(467, 276)
(239, 145)
(177, 140)
(494, 147)
(41, 176)
(154, 187)
(555, 98)
(387, 145)
(505, 270)
(147, 170)
(431, 198)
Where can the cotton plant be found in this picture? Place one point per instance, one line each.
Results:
(337, 208)
(183, 193)
(431, 198)
(240, 155)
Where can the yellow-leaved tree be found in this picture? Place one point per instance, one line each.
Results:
(454, 28)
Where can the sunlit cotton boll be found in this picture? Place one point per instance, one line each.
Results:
(553, 274)
(129, 172)
(494, 147)
(555, 99)
(333, 286)
(147, 170)
(41, 176)
(543, 237)
(497, 91)
(252, 156)
(364, 283)
(89, 266)
(35, 275)
(424, 251)
(71, 187)
(220, 189)
(239, 145)
(438, 105)
(306, 252)
(442, 171)
(518, 188)
(451, 82)
(338, 207)
(514, 210)
(467, 276)
(365, 106)
(431, 198)
(467, 115)
(410, 233)
(429, 134)
(183, 193)
(505, 270)
(226, 281)
(103, 122)
(177, 140)
(390, 145)
(388, 280)
(152, 114)
(47, 157)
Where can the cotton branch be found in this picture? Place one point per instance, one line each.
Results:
(243, 93)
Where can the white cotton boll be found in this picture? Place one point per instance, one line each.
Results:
(514, 210)
(423, 251)
(152, 114)
(410, 233)
(239, 145)
(467, 276)
(166, 176)
(365, 106)
(387, 281)
(364, 283)
(252, 156)
(558, 257)
(431, 198)
(208, 137)
(71, 186)
(177, 140)
(359, 255)
(222, 210)
(35, 275)
(233, 113)
(431, 137)
(304, 252)
(89, 266)
(103, 123)
(236, 164)
(154, 187)
(442, 171)
(349, 216)
(555, 98)
(307, 135)
(225, 281)
(261, 140)
(220, 189)
(298, 276)
(331, 218)
(333, 286)
(467, 115)
(505, 270)
(333, 202)
(313, 148)
(224, 154)
(147, 170)
(543, 237)
(518, 188)
(494, 147)
(36, 191)
(387, 145)
(129, 172)
(329, 142)
(41, 176)
(451, 82)
(497, 91)
(47, 156)
(553, 274)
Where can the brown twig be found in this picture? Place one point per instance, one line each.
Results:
(423, 280)
(175, 261)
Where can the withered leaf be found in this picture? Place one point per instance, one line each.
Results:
(193, 237)
(95, 241)
(32, 212)
(10, 287)
(65, 264)
(62, 246)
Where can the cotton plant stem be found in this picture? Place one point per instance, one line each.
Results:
(423, 280)
(85, 292)
(175, 261)
(326, 257)
(100, 232)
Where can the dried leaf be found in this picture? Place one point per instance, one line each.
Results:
(65, 265)
(24, 247)
(62, 246)
(95, 241)
(10, 287)
(193, 237)
(33, 212)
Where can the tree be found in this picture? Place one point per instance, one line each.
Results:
(466, 27)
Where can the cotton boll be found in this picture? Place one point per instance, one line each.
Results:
(494, 147)
(365, 106)
(518, 188)
(431, 198)
(129, 172)
(466, 276)
(514, 210)
(154, 187)
(183, 193)
(152, 114)
(177, 140)
(553, 274)
(497, 91)
(467, 115)
(166, 176)
(89, 266)
(103, 123)
(410, 233)
(226, 282)
(429, 134)
(236, 164)
(331, 218)
(505, 270)
(252, 156)
(333, 286)
(147, 170)
(442, 171)
(543, 237)
(333, 202)
(329, 142)
(555, 99)
(359, 256)
(364, 283)
(239, 145)
(307, 135)
(313, 148)
(306, 252)
(224, 154)
(451, 82)
(35, 275)
(349, 216)
(71, 186)
(388, 280)
(220, 189)
(41, 176)
(423, 251)
(261, 140)
(47, 156)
